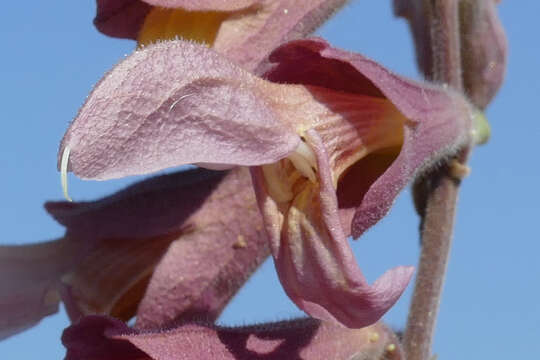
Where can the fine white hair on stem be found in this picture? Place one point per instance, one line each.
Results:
(63, 172)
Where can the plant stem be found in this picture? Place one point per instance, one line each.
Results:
(439, 196)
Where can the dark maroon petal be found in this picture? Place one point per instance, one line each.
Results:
(106, 338)
(121, 18)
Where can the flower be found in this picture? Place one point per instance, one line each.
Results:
(295, 339)
(331, 139)
(85, 263)
(244, 30)
(160, 250)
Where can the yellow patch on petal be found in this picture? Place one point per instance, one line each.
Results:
(168, 24)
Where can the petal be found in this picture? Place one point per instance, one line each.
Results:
(207, 254)
(246, 31)
(170, 104)
(438, 120)
(124, 18)
(313, 258)
(105, 338)
(29, 275)
(120, 18)
(112, 278)
(200, 273)
(249, 38)
(157, 206)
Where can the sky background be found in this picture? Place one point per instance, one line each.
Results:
(52, 56)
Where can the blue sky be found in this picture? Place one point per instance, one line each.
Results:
(52, 55)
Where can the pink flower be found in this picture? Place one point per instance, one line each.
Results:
(160, 250)
(331, 138)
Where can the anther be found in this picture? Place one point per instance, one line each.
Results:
(304, 161)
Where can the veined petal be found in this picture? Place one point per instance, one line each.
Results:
(313, 258)
(171, 104)
(106, 338)
(437, 121)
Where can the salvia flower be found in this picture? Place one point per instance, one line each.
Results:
(331, 138)
(245, 30)
(295, 339)
(160, 250)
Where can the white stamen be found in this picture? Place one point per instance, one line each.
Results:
(63, 172)
(304, 161)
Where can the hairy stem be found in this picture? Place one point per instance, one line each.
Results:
(438, 192)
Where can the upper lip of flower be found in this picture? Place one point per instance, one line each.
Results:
(175, 103)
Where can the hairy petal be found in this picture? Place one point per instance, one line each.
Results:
(111, 279)
(29, 275)
(246, 31)
(171, 104)
(203, 255)
(438, 121)
(202, 271)
(106, 338)
(249, 37)
(313, 258)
